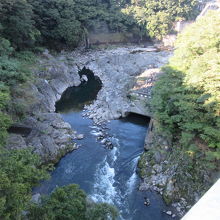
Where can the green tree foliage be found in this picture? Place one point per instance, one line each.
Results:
(101, 211)
(161, 14)
(18, 169)
(68, 21)
(17, 24)
(5, 47)
(187, 97)
(13, 72)
(19, 173)
(60, 23)
(57, 21)
(5, 121)
(70, 202)
(158, 16)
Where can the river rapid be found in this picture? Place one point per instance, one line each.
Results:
(106, 175)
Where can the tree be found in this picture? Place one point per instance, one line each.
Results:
(70, 202)
(187, 97)
(162, 14)
(64, 22)
(57, 21)
(19, 173)
(17, 24)
(101, 211)
(5, 120)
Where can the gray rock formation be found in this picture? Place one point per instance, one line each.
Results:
(36, 198)
(117, 70)
(50, 137)
(166, 169)
(84, 78)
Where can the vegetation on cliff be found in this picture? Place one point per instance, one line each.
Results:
(14, 71)
(183, 147)
(20, 170)
(187, 97)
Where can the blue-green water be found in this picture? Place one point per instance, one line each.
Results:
(106, 175)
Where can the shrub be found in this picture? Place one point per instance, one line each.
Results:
(19, 173)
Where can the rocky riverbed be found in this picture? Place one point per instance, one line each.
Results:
(118, 70)
(127, 75)
(50, 137)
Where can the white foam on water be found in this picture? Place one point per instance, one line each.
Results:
(96, 133)
(135, 161)
(104, 191)
(69, 169)
(131, 183)
(94, 127)
(103, 187)
(115, 151)
(114, 154)
(115, 141)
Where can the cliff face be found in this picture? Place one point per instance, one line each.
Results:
(118, 70)
(49, 135)
(165, 168)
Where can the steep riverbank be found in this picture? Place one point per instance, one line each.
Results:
(166, 169)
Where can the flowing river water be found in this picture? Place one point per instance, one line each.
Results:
(107, 175)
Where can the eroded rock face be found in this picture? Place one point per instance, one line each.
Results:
(117, 69)
(165, 168)
(54, 76)
(50, 136)
(16, 141)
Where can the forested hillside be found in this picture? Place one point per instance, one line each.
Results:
(184, 141)
(65, 23)
(187, 97)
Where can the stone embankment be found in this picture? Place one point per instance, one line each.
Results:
(141, 93)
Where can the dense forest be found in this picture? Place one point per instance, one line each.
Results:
(186, 105)
(187, 97)
(31, 23)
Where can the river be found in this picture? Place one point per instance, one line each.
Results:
(107, 175)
